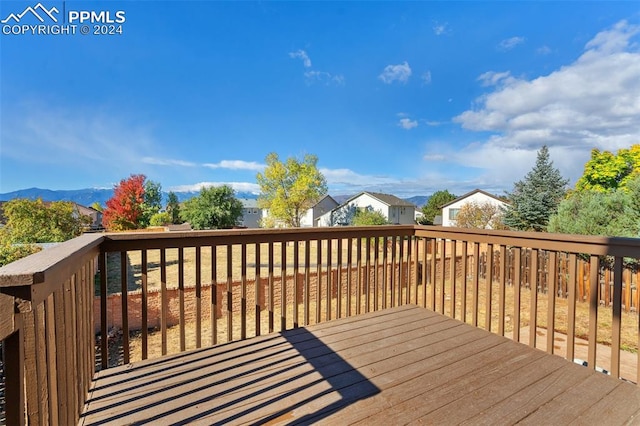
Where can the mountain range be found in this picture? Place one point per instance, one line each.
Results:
(88, 196)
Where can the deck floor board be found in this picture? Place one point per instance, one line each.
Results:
(400, 365)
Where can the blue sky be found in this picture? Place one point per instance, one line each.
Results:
(400, 97)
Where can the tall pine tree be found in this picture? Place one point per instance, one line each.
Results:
(535, 198)
(173, 207)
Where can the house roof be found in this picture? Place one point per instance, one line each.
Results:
(321, 199)
(388, 199)
(249, 203)
(468, 194)
(85, 210)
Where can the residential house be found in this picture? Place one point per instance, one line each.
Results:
(396, 210)
(311, 216)
(451, 209)
(251, 213)
(95, 215)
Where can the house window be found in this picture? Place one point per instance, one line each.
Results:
(453, 213)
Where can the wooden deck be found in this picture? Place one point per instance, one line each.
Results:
(396, 366)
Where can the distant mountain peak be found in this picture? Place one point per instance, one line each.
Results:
(88, 196)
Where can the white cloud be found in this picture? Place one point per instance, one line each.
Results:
(593, 102)
(84, 138)
(302, 55)
(616, 39)
(426, 77)
(323, 77)
(237, 186)
(510, 43)
(543, 50)
(440, 28)
(236, 165)
(314, 76)
(399, 72)
(167, 162)
(407, 123)
(351, 178)
(348, 182)
(492, 78)
(434, 157)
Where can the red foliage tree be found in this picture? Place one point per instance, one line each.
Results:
(124, 209)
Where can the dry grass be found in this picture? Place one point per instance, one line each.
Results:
(134, 262)
(629, 332)
(629, 320)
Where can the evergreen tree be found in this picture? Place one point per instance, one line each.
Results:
(173, 208)
(535, 198)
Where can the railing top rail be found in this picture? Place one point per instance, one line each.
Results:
(149, 240)
(39, 267)
(596, 245)
(46, 264)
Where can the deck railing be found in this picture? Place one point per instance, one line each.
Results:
(46, 331)
(141, 295)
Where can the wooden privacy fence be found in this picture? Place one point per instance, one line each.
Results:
(158, 303)
(630, 276)
(272, 280)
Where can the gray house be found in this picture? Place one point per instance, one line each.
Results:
(251, 213)
(324, 205)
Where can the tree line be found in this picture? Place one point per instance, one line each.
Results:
(604, 201)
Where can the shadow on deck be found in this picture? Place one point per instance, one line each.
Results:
(260, 380)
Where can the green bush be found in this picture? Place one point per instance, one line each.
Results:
(160, 219)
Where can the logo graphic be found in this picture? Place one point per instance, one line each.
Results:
(34, 11)
(41, 20)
